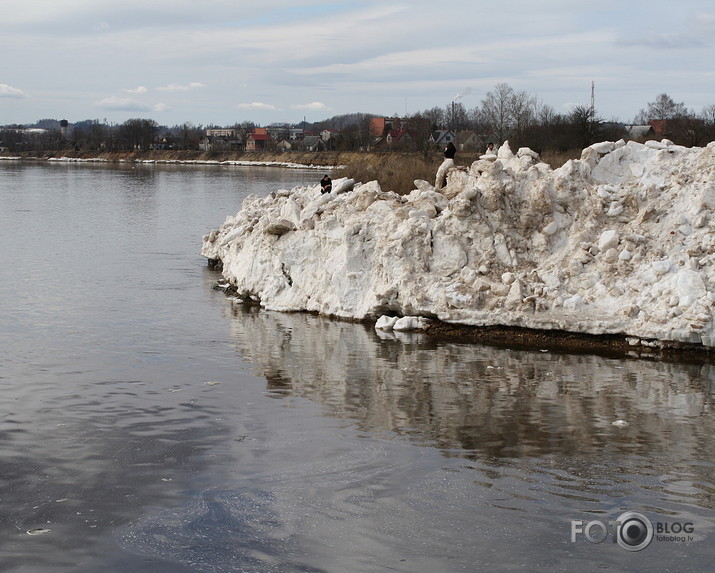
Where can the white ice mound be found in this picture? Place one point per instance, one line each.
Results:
(621, 241)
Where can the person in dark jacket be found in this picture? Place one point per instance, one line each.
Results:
(449, 152)
(326, 184)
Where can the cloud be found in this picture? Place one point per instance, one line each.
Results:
(160, 107)
(663, 41)
(312, 106)
(259, 106)
(136, 90)
(11, 92)
(180, 88)
(122, 104)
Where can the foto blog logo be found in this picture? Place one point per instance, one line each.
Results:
(632, 531)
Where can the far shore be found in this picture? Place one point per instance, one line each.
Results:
(317, 160)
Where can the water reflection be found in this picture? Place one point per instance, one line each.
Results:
(480, 399)
(495, 406)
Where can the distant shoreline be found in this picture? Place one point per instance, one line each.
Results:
(324, 161)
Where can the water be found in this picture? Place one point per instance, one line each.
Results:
(150, 425)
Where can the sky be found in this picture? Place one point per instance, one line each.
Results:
(222, 62)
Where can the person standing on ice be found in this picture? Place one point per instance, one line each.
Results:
(326, 184)
(449, 153)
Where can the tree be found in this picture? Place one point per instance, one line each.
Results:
(586, 125)
(137, 133)
(662, 108)
(708, 115)
(523, 112)
(350, 139)
(188, 135)
(436, 117)
(545, 114)
(497, 111)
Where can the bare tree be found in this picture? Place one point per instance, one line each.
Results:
(662, 108)
(457, 116)
(545, 114)
(497, 111)
(523, 112)
(708, 114)
(436, 116)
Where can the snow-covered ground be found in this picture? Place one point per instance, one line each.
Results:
(287, 164)
(621, 241)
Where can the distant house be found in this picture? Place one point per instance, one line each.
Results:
(257, 140)
(222, 139)
(468, 140)
(331, 137)
(162, 143)
(660, 127)
(640, 131)
(221, 132)
(380, 126)
(398, 138)
(284, 145)
(443, 137)
(314, 143)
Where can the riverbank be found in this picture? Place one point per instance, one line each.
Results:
(300, 159)
(394, 171)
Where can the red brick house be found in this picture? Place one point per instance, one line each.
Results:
(257, 140)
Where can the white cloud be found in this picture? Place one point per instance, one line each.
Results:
(160, 107)
(11, 92)
(312, 106)
(258, 106)
(137, 90)
(122, 104)
(180, 88)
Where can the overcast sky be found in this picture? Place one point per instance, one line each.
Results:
(227, 61)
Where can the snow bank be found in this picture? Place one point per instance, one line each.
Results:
(285, 164)
(619, 242)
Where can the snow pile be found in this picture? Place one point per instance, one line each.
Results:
(621, 241)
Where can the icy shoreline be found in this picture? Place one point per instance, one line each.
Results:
(619, 242)
(244, 163)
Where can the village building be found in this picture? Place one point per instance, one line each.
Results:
(258, 140)
(221, 139)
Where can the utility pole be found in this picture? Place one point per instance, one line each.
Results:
(593, 100)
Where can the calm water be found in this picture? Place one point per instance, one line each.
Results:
(150, 425)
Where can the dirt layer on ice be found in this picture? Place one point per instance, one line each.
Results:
(555, 340)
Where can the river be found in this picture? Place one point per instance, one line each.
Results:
(149, 424)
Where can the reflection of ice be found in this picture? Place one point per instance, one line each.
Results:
(493, 401)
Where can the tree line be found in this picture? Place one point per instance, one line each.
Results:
(503, 114)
